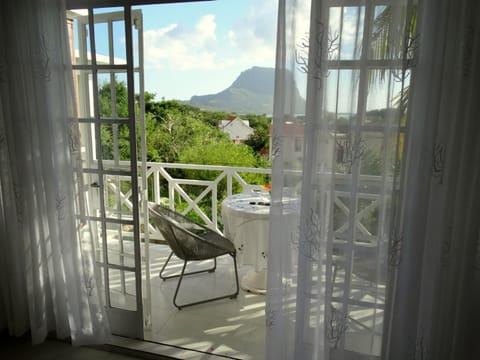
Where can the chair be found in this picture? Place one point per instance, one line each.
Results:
(191, 241)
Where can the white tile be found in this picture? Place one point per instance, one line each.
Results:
(226, 327)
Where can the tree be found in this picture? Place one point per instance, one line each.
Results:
(259, 140)
(105, 97)
(173, 127)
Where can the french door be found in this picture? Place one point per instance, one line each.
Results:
(107, 57)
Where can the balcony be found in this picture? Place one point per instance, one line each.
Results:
(236, 328)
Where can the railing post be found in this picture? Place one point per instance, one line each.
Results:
(171, 194)
(214, 207)
(156, 186)
(229, 182)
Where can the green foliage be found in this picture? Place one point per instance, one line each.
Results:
(382, 116)
(178, 132)
(173, 127)
(371, 163)
(105, 100)
(225, 153)
(259, 140)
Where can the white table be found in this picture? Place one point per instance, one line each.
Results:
(246, 219)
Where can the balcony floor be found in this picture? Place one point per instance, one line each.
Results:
(235, 328)
(228, 327)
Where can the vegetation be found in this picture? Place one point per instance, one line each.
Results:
(181, 133)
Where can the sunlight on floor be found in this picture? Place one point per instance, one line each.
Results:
(229, 327)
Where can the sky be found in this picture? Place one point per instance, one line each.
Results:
(201, 48)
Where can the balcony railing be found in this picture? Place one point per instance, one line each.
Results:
(165, 186)
(167, 183)
(356, 278)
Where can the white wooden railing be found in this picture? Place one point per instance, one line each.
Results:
(164, 187)
(161, 171)
(371, 194)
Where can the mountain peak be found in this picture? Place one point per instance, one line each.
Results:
(251, 92)
(258, 79)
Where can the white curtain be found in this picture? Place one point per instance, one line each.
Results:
(383, 262)
(47, 273)
(435, 292)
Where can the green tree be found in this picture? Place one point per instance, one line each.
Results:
(105, 99)
(222, 152)
(173, 127)
(259, 140)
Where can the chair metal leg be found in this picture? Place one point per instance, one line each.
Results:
(231, 296)
(164, 266)
(212, 269)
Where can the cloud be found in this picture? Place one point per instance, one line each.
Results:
(254, 34)
(176, 47)
(350, 22)
(204, 54)
(249, 40)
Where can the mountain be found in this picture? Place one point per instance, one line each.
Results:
(251, 92)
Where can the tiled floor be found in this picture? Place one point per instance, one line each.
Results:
(234, 328)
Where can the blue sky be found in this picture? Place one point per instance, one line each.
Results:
(200, 48)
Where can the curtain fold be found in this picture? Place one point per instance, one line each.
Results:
(381, 157)
(437, 281)
(48, 273)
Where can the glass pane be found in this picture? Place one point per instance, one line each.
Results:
(83, 84)
(336, 325)
(351, 35)
(102, 44)
(78, 33)
(120, 244)
(119, 44)
(118, 202)
(88, 146)
(342, 95)
(369, 271)
(137, 23)
(109, 37)
(91, 235)
(338, 272)
(136, 90)
(122, 289)
(115, 142)
(384, 46)
(384, 96)
(96, 229)
(364, 330)
(371, 162)
(113, 100)
(348, 151)
(335, 18)
(92, 185)
(367, 218)
(101, 283)
(341, 212)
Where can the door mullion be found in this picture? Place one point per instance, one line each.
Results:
(133, 159)
(98, 146)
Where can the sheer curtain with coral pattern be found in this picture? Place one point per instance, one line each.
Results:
(47, 274)
(362, 90)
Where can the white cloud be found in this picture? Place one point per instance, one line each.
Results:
(207, 54)
(206, 28)
(173, 47)
(250, 41)
(252, 37)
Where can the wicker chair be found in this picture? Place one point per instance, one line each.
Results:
(191, 241)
